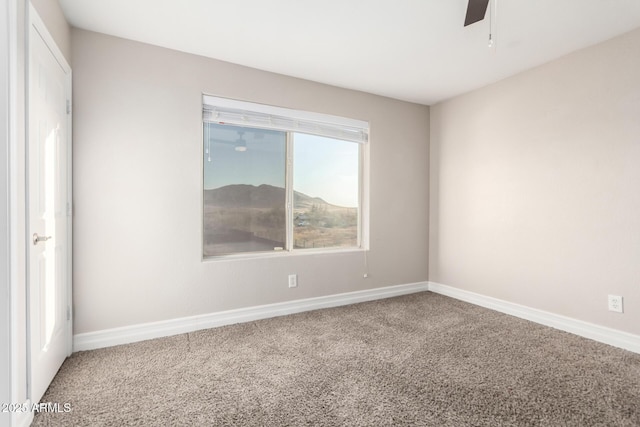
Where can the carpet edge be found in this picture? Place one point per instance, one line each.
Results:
(145, 331)
(603, 334)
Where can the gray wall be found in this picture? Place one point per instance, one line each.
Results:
(137, 188)
(535, 186)
(51, 14)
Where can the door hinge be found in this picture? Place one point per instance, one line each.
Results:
(68, 313)
(68, 106)
(69, 209)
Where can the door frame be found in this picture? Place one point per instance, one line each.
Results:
(35, 22)
(6, 116)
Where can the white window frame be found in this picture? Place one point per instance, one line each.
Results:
(242, 113)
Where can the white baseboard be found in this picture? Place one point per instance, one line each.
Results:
(146, 331)
(602, 334)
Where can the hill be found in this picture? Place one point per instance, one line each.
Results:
(262, 196)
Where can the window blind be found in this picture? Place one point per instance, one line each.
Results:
(231, 111)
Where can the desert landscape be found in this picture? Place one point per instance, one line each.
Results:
(243, 218)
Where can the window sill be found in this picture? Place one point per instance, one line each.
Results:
(282, 254)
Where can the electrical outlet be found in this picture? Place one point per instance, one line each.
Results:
(293, 280)
(615, 303)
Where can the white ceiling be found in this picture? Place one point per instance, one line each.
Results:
(414, 50)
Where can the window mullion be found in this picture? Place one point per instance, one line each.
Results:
(289, 191)
(361, 163)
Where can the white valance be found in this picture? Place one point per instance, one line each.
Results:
(242, 113)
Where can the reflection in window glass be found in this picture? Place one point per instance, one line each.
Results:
(326, 193)
(244, 189)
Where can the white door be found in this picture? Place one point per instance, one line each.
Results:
(48, 202)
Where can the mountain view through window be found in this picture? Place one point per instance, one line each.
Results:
(245, 191)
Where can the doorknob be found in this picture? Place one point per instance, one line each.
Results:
(37, 239)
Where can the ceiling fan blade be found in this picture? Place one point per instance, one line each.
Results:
(475, 11)
(221, 141)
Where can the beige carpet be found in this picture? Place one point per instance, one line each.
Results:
(418, 360)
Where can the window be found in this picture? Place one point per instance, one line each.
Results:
(280, 180)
